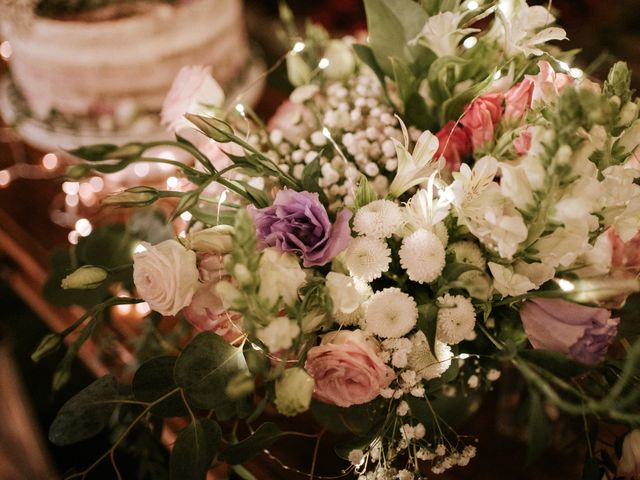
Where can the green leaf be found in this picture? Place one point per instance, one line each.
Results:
(311, 176)
(153, 380)
(108, 247)
(262, 438)
(555, 362)
(441, 77)
(204, 368)
(428, 323)
(357, 419)
(95, 153)
(365, 54)
(539, 431)
(85, 414)
(404, 78)
(629, 325)
(365, 194)
(417, 113)
(452, 109)
(186, 202)
(194, 450)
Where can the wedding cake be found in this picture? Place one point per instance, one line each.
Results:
(98, 73)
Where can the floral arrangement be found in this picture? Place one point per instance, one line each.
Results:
(441, 202)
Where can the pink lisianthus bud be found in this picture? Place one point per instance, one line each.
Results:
(629, 465)
(522, 143)
(481, 117)
(454, 144)
(582, 333)
(518, 101)
(548, 84)
(347, 369)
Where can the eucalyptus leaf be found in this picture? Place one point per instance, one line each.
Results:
(85, 414)
(194, 449)
(153, 380)
(264, 436)
(204, 368)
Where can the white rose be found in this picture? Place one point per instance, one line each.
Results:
(347, 293)
(280, 277)
(279, 334)
(166, 276)
(218, 240)
(293, 391)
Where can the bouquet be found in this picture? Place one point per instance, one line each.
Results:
(435, 203)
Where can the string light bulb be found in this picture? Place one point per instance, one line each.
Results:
(298, 47)
(472, 5)
(323, 63)
(470, 42)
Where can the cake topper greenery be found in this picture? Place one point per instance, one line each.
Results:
(441, 201)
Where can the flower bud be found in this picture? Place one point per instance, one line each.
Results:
(231, 297)
(242, 274)
(629, 466)
(218, 239)
(84, 278)
(78, 171)
(341, 60)
(298, 71)
(628, 113)
(132, 197)
(293, 391)
(60, 379)
(48, 345)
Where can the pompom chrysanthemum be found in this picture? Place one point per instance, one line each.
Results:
(379, 219)
(390, 313)
(367, 258)
(427, 365)
(468, 252)
(441, 232)
(456, 318)
(422, 256)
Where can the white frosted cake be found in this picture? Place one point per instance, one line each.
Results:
(102, 75)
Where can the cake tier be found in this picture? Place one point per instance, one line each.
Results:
(120, 66)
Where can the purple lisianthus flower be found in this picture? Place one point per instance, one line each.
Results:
(582, 333)
(298, 222)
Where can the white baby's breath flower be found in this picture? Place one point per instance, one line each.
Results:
(390, 313)
(493, 375)
(378, 219)
(356, 457)
(279, 334)
(403, 409)
(468, 252)
(456, 318)
(422, 256)
(427, 365)
(367, 258)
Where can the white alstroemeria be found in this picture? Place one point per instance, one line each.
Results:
(413, 168)
(564, 245)
(347, 293)
(425, 211)
(442, 33)
(508, 283)
(469, 184)
(280, 277)
(538, 273)
(525, 28)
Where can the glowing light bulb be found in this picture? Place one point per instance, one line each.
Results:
(50, 161)
(324, 63)
(576, 72)
(564, 66)
(5, 50)
(186, 216)
(463, 356)
(470, 42)
(240, 109)
(83, 227)
(139, 248)
(298, 47)
(565, 285)
(141, 169)
(172, 182)
(71, 188)
(326, 132)
(472, 5)
(142, 308)
(97, 184)
(73, 237)
(72, 200)
(5, 178)
(497, 75)
(506, 6)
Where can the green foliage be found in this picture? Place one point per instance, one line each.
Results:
(629, 325)
(555, 362)
(265, 435)
(359, 420)
(310, 179)
(204, 368)
(428, 323)
(194, 450)
(539, 430)
(85, 414)
(365, 193)
(153, 380)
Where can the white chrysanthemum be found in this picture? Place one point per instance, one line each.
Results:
(390, 313)
(468, 252)
(422, 256)
(427, 365)
(367, 258)
(456, 318)
(379, 219)
(440, 230)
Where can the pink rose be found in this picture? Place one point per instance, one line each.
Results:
(582, 333)
(481, 117)
(347, 369)
(522, 143)
(455, 144)
(518, 101)
(206, 311)
(294, 120)
(192, 90)
(548, 84)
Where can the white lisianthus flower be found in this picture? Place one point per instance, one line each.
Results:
(441, 34)
(166, 276)
(564, 245)
(508, 283)
(468, 252)
(280, 277)
(390, 313)
(193, 91)
(414, 169)
(426, 364)
(456, 318)
(347, 295)
(367, 258)
(279, 334)
(218, 240)
(293, 391)
(422, 256)
(378, 219)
